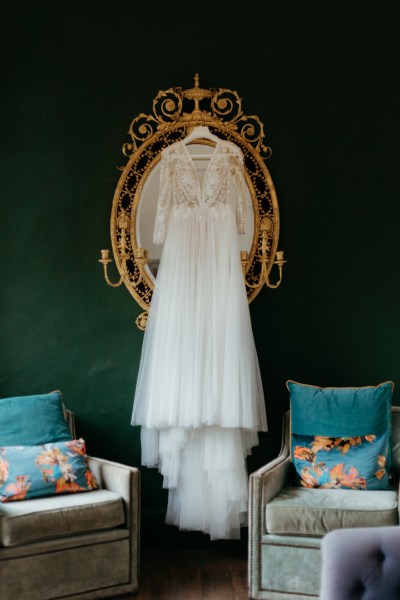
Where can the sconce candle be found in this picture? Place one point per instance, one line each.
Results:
(279, 255)
(105, 253)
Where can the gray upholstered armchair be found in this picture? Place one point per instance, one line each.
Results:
(287, 523)
(361, 563)
(83, 545)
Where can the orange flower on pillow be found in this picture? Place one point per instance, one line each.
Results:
(3, 471)
(307, 479)
(64, 485)
(77, 446)
(20, 490)
(342, 477)
(321, 442)
(381, 463)
(304, 453)
(91, 480)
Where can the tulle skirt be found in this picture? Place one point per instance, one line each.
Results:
(199, 396)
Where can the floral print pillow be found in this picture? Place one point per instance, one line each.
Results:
(357, 463)
(34, 471)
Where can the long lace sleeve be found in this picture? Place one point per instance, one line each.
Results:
(240, 189)
(164, 200)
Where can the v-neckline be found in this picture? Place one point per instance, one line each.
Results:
(190, 158)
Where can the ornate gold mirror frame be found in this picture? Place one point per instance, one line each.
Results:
(175, 113)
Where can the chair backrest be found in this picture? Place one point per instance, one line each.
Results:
(70, 418)
(395, 439)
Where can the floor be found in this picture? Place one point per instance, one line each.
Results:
(192, 575)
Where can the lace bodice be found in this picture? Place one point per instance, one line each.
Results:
(221, 193)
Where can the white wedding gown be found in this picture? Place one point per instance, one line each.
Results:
(199, 396)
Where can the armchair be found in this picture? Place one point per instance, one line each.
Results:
(82, 545)
(287, 523)
(368, 562)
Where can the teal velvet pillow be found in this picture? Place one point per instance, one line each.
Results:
(32, 420)
(34, 471)
(341, 436)
(340, 411)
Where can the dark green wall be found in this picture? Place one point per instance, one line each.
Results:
(321, 76)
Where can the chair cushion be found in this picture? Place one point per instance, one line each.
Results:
(314, 512)
(56, 516)
(44, 410)
(341, 436)
(34, 471)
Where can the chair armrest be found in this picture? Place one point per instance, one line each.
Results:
(265, 484)
(271, 478)
(397, 486)
(121, 479)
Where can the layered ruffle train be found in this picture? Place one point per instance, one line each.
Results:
(205, 472)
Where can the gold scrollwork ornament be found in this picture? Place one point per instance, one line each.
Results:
(175, 114)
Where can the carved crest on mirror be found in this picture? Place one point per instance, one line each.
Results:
(175, 113)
